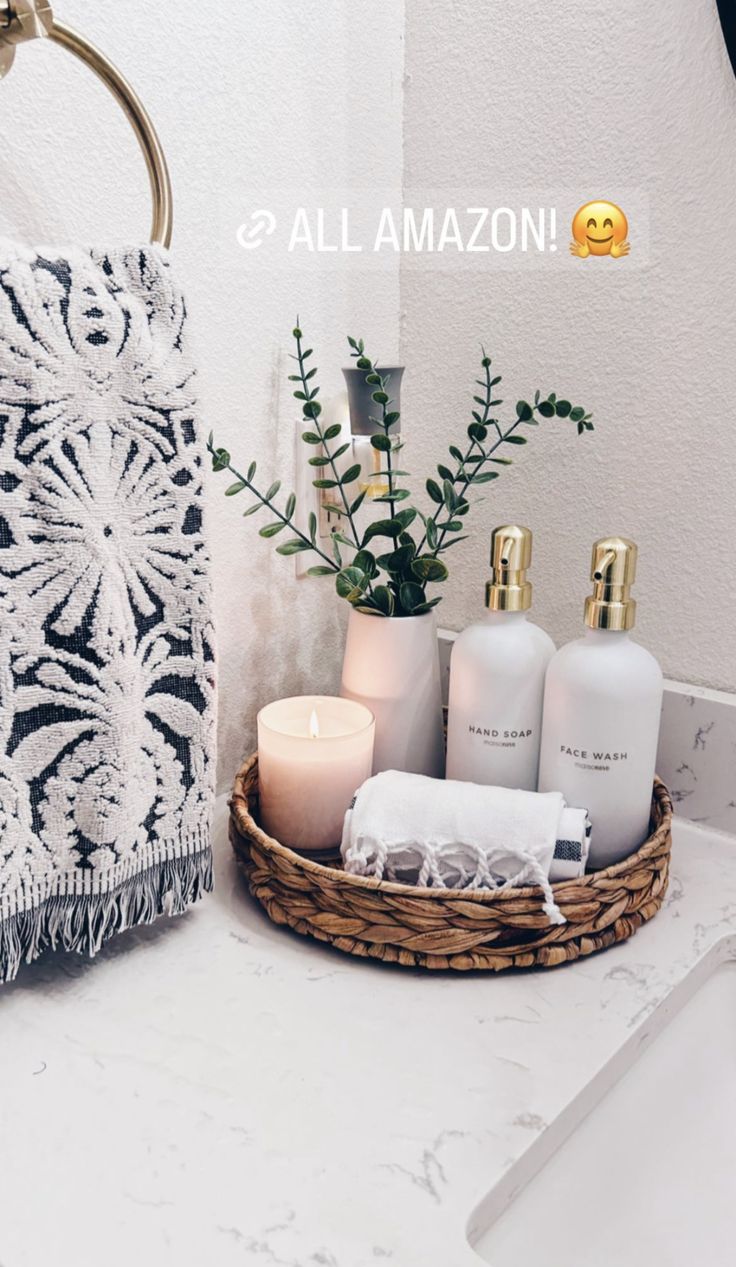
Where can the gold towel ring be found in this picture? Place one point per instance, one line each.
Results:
(21, 20)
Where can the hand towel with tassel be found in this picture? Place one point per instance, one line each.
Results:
(106, 645)
(448, 834)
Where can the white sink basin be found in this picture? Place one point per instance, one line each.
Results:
(648, 1178)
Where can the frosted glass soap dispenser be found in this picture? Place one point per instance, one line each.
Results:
(602, 707)
(497, 677)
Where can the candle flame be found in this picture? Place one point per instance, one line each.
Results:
(314, 725)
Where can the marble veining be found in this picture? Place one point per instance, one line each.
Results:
(217, 1089)
(697, 754)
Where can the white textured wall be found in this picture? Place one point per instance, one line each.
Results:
(513, 94)
(264, 96)
(274, 96)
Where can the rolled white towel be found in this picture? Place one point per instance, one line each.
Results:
(448, 834)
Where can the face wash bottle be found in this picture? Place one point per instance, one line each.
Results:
(602, 705)
(497, 677)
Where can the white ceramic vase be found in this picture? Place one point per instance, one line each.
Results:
(392, 665)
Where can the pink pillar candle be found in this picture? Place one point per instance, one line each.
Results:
(314, 752)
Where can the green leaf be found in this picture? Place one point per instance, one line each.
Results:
(524, 411)
(270, 530)
(426, 568)
(351, 474)
(452, 525)
(445, 473)
(446, 545)
(381, 442)
(384, 599)
(382, 528)
(391, 419)
(312, 409)
(484, 477)
(319, 461)
(312, 527)
(333, 431)
(366, 562)
(290, 506)
(398, 495)
(220, 460)
(295, 546)
(356, 505)
(503, 461)
(477, 432)
(432, 534)
(381, 398)
(339, 452)
(563, 408)
(310, 437)
(273, 490)
(456, 453)
(515, 439)
(434, 491)
(325, 483)
(546, 409)
(351, 583)
(449, 495)
(423, 608)
(406, 517)
(320, 570)
(411, 595)
(397, 560)
(577, 413)
(373, 379)
(252, 509)
(363, 363)
(235, 488)
(251, 472)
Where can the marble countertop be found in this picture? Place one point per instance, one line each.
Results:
(216, 1089)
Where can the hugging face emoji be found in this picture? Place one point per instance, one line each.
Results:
(599, 228)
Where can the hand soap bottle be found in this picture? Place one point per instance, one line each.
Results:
(602, 705)
(497, 677)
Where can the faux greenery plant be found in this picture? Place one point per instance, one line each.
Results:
(394, 558)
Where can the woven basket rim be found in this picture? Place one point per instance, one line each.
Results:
(247, 826)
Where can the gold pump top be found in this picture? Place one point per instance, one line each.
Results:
(612, 570)
(511, 555)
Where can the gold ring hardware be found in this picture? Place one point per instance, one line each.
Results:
(23, 20)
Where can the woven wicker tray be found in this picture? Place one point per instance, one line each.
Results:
(448, 928)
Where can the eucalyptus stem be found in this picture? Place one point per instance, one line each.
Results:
(221, 462)
(304, 376)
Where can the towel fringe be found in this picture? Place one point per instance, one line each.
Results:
(84, 923)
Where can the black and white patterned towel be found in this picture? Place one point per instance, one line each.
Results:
(106, 647)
